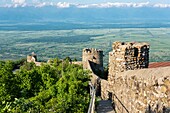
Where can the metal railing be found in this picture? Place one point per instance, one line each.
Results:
(92, 100)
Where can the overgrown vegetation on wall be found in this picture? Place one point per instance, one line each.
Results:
(54, 87)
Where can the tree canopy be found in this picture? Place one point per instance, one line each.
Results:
(57, 86)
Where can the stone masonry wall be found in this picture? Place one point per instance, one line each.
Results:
(93, 55)
(104, 89)
(127, 56)
(138, 91)
(134, 89)
(32, 57)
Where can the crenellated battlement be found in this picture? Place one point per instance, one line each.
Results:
(92, 50)
(117, 46)
(128, 56)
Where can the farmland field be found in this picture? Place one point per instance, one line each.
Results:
(15, 44)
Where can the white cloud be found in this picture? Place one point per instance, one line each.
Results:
(122, 4)
(63, 5)
(15, 4)
(116, 4)
(162, 5)
(82, 6)
(41, 4)
(44, 4)
(36, 3)
(18, 1)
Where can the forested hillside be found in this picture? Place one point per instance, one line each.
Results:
(54, 87)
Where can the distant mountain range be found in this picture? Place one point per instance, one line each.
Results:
(95, 17)
(85, 14)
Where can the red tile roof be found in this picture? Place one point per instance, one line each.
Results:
(159, 64)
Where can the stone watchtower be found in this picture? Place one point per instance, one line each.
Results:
(92, 58)
(127, 56)
(32, 57)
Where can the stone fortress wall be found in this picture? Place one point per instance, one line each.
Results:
(92, 59)
(94, 56)
(133, 87)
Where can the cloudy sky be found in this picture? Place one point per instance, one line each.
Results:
(86, 3)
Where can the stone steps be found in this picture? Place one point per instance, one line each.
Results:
(105, 106)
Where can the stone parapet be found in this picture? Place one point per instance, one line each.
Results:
(142, 90)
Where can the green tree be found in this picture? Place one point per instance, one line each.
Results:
(8, 85)
(72, 95)
(57, 86)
